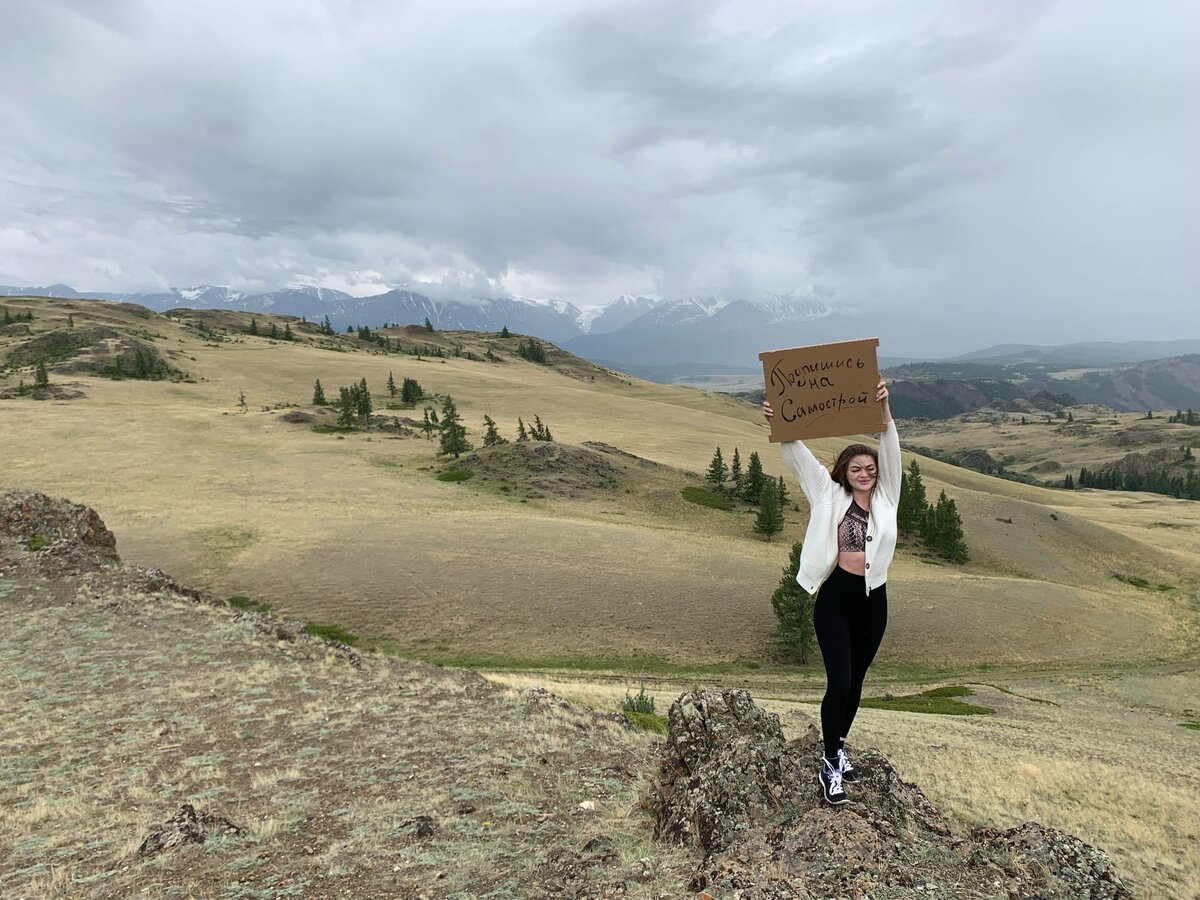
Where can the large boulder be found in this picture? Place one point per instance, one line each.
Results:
(730, 786)
(64, 537)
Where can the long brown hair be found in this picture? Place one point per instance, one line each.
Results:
(843, 463)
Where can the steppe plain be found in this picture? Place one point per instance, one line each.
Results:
(591, 590)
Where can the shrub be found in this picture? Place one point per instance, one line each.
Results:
(455, 475)
(640, 703)
(330, 633)
(707, 498)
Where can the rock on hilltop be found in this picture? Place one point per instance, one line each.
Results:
(731, 788)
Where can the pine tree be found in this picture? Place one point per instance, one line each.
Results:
(752, 483)
(318, 394)
(41, 378)
(274, 331)
(253, 325)
(770, 517)
(347, 406)
(327, 326)
(454, 435)
(522, 434)
(427, 425)
(717, 472)
(70, 321)
(410, 391)
(794, 609)
(491, 437)
(911, 512)
(391, 385)
(363, 401)
(504, 332)
(781, 493)
(948, 540)
(8, 319)
(428, 324)
(1070, 417)
(241, 394)
(1069, 483)
(288, 335)
(735, 474)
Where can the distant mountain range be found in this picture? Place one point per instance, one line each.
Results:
(629, 331)
(669, 340)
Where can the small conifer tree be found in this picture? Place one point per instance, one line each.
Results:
(274, 331)
(752, 483)
(504, 332)
(735, 474)
(391, 385)
(717, 472)
(492, 437)
(41, 378)
(794, 609)
(781, 493)
(454, 435)
(427, 425)
(428, 324)
(253, 325)
(70, 321)
(318, 394)
(522, 434)
(770, 517)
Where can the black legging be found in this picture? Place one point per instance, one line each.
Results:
(849, 627)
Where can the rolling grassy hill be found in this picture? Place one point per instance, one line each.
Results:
(355, 529)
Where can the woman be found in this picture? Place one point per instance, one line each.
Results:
(847, 548)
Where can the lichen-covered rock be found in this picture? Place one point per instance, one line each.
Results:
(63, 538)
(725, 769)
(187, 826)
(1045, 862)
(730, 786)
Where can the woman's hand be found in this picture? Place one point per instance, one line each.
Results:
(767, 411)
(881, 397)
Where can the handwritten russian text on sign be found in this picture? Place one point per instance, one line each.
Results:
(825, 390)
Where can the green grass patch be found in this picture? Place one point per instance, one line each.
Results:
(242, 602)
(1005, 690)
(648, 721)
(705, 497)
(1142, 583)
(941, 701)
(331, 633)
(36, 543)
(1195, 726)
(455, 475)
(335, 429)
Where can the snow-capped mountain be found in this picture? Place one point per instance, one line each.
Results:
(711, 329)
(617, 314)
(630, 330)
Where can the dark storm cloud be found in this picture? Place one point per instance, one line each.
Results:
(902, 160)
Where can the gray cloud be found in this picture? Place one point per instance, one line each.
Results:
(945, 170)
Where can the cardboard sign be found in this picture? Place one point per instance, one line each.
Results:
(825, 390)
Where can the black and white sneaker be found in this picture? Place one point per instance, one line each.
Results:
(849, 774)
(831, 783)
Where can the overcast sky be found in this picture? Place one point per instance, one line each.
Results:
(979, 171)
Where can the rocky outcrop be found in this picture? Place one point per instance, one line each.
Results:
(748, 801)
(60, 537)
(187, 826)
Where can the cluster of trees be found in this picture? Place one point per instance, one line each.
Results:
(1157, 481)
(145, 366)
(939, 525)
(9, 318)
(354, 404)
(410, 391)
(535, 432)
(532, 351)
(274, 333)
(753, 486)
(1182, 418)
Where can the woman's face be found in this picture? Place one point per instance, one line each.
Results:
(861, 473)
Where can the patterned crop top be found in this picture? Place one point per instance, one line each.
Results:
(852, 530)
